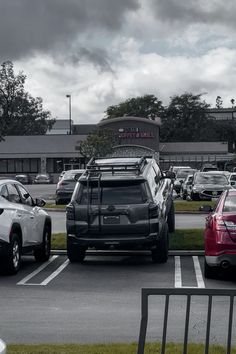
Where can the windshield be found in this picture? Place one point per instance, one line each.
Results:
(119, 192)
(211, 179)
(184, 173)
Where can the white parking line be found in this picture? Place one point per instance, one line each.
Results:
(200, 281)
(178, 276)
(31, 275)
(54, 274)
(198, 273)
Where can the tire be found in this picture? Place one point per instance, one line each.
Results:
(42, 254)
(13, 255)
(76, 254)
(160, 252)
(210, 272)
(195, 196)
(171, 218)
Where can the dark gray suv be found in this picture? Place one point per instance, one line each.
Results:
(121, 203)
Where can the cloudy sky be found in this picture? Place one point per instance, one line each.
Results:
(105, 51)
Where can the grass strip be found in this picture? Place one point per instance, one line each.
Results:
(191, 206)
(150, 348)
(186, 239)
(54, 206)
(182, 239)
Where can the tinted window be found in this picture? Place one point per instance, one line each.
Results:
(113, 193)
(230, 203)
(13, 194)
(4, 192)
(25, 197)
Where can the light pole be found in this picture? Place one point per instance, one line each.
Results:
(69, 96)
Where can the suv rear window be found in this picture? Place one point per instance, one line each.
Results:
(118, 192)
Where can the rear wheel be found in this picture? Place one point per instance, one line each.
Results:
(43, 253)
(160, 252)
(210, 272)
(184, 195)
(195, 196)
(13, 255)
(76, 254)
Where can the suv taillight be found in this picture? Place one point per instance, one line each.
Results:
(153, 210)
(70, 212)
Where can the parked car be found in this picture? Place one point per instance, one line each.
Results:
(232, 179)
(66, 185)
(220, 235)
(43, 179)
(181, 175)
(61, 175)
(121, 203)
(186, 186)
(25, 227)
(209, 167)
(24, 178)
(208, 185)
(175, 169)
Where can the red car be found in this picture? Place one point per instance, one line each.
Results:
(220, 235)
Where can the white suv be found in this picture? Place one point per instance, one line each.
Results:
(24, 226)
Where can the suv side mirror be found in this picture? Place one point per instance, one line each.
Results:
(40, 202)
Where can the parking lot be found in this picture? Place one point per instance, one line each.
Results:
(63, 302)
(99, 300)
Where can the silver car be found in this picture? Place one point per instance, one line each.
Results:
(25, 227)
(66, 185)
(208, 185)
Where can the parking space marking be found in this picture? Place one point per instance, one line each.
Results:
(54, 274)
(178, 276)
(200, 281)
(198, 273)
(38, 270)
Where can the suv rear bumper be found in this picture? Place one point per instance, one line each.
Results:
(112, 242)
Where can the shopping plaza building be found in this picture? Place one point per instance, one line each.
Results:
(58, 150)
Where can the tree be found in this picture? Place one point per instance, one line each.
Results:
(147, 106)
(219, 102)
(232, 102)
(185, 119)
(98, 144)
(21, 114)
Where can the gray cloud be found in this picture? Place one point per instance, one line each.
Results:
(29, 25)
(196, 11)
(97, 56)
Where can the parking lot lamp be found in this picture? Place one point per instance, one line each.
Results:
(70, 130)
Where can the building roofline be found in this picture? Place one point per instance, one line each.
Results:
(107, 121)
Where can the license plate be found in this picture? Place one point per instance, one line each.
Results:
(111, 220)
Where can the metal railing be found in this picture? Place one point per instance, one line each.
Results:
(188, 292)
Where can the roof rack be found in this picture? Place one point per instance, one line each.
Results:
(93, 167)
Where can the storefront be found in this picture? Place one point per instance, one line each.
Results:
(134, 136)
